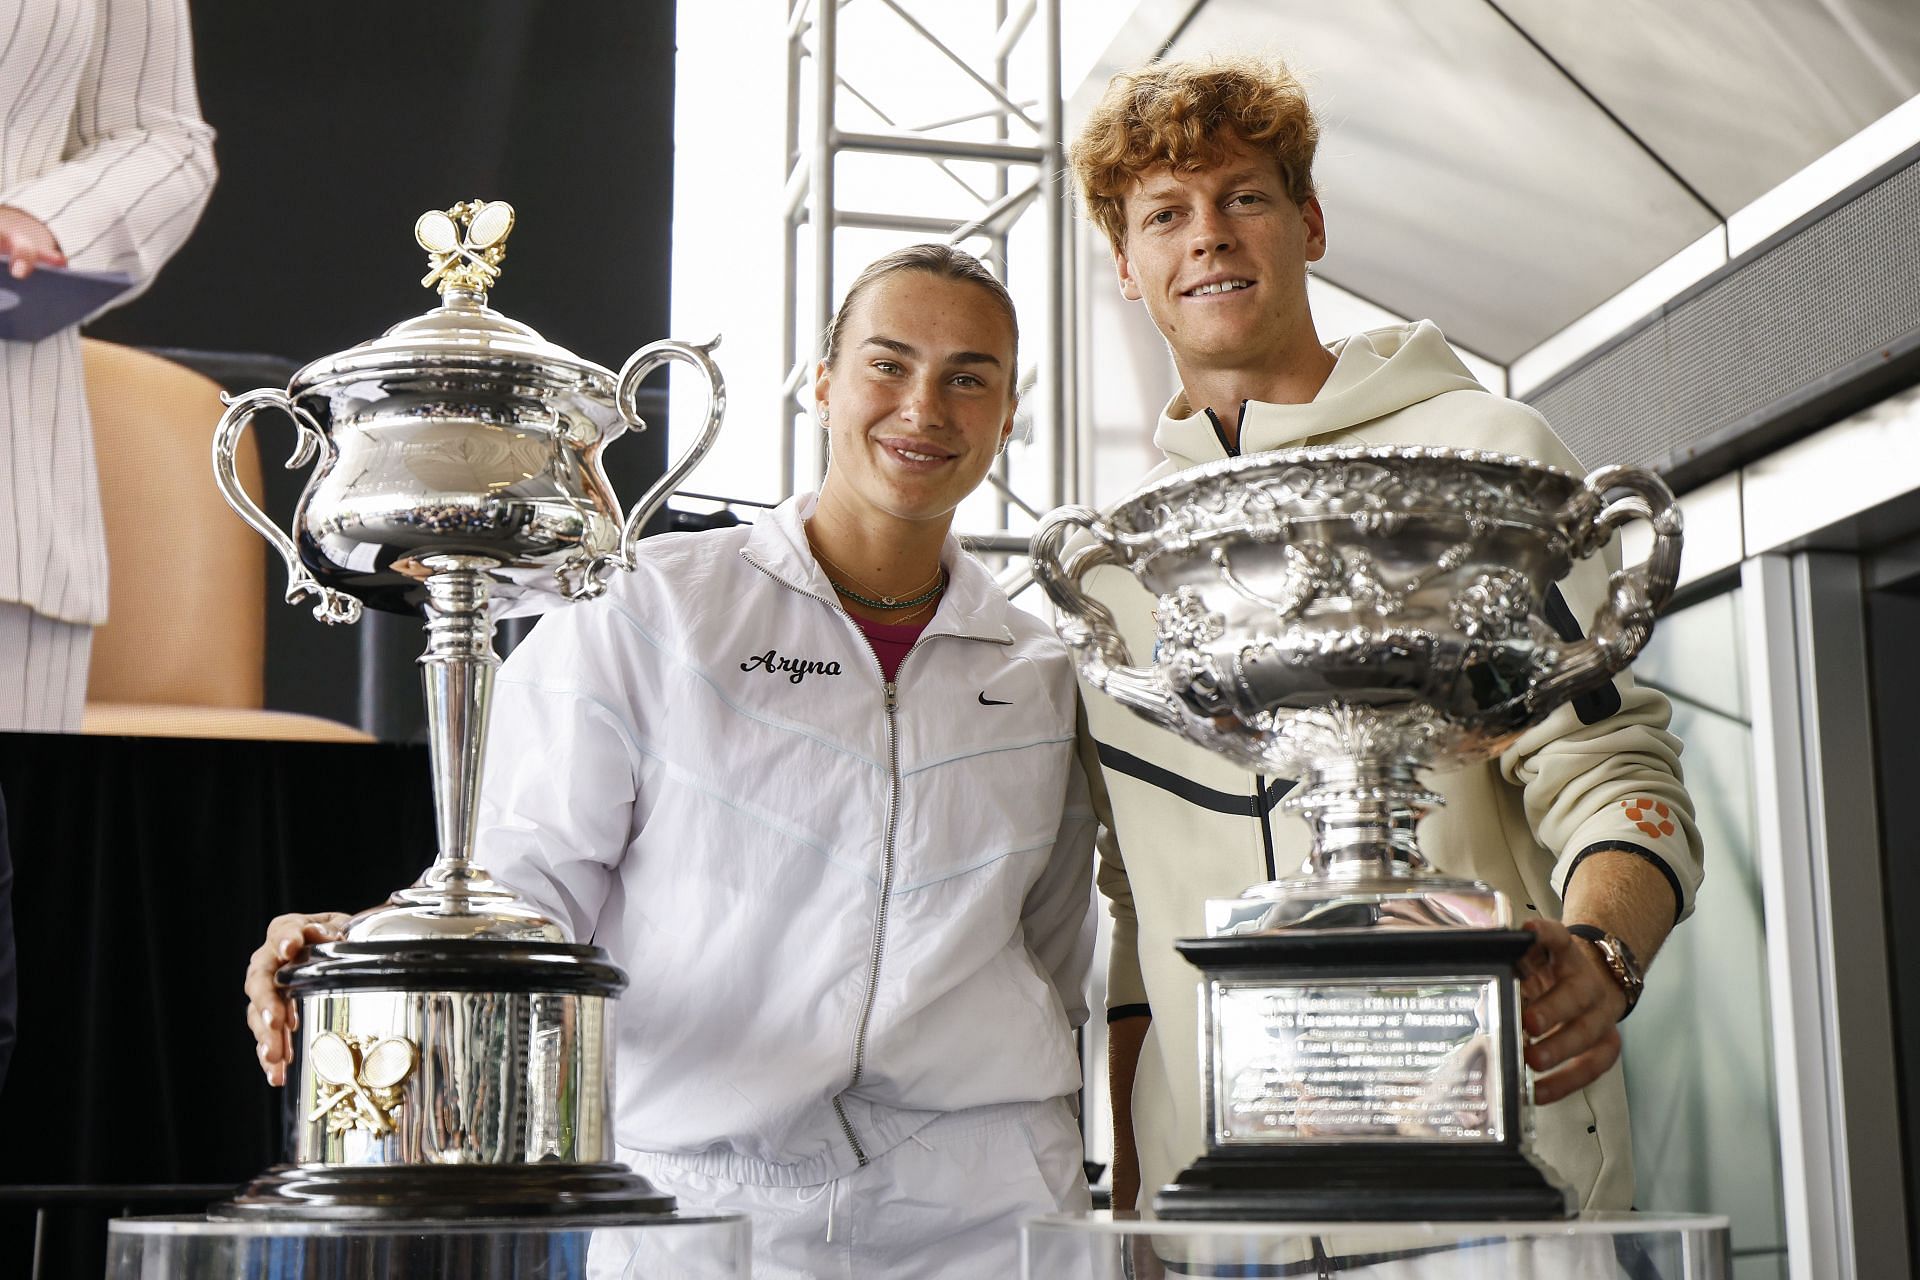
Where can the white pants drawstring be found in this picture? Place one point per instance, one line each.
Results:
(833, 1194)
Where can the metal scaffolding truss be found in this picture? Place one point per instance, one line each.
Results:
(829, 79)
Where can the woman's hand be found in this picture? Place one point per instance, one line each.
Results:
(26, 243)
(271, 1016)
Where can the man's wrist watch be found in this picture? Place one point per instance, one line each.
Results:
(1619, 959)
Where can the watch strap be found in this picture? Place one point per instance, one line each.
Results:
(1621, 963)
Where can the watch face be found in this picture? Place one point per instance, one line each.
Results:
(1619, 959)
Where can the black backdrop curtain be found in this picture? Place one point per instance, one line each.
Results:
(145, 871)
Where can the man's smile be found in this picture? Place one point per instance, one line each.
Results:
(1216, 286)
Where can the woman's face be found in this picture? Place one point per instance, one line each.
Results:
(919, 397)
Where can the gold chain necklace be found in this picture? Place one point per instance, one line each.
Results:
(914, 599)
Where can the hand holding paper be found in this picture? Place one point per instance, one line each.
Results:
(39, 294)
(26, 243)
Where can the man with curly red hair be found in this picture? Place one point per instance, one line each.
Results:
(1201, 176)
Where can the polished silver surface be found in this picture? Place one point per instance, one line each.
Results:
(460, 433)
(1355, 1061)
(457, 474)
(500, 1077)
(1348, 617)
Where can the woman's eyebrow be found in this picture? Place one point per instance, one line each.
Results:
(900, 348)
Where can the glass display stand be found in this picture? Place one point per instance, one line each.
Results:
(668, 1247)
(1604, 1246)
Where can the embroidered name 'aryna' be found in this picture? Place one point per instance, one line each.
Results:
(795, 669)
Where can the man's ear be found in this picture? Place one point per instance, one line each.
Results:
(1129, 287)
(1316, 229)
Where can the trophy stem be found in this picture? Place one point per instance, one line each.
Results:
(457, 670)
(1363, 814)
(1364, 870)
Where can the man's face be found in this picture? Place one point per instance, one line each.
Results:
(1220, 259)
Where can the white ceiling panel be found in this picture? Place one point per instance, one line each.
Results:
(1464, 177)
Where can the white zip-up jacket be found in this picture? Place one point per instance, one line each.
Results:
(845, 907)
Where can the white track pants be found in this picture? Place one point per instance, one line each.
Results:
(944, 1205)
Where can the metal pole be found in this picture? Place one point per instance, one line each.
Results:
(913, 144)
(1054, 196)
(790, 256)
(826, 79)
(998, 238)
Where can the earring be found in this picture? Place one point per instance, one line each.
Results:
(824, 415)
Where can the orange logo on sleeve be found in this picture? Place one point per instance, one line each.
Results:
(1650, 816)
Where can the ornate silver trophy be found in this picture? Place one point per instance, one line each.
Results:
(455, 1050)
(1347, 618)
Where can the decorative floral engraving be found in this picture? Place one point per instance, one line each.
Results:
(1495, 606)
(1185, 622)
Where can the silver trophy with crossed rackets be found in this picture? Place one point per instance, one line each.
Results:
(455, 1049)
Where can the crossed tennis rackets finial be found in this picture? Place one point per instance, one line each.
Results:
(467, 242)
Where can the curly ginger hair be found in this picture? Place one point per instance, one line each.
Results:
(1185, 115)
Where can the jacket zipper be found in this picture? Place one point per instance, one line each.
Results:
(886, 900)
(1220, 430)
(892, 693)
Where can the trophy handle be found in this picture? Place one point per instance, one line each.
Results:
(1086, 625)
(638, 366)
(1624, 622)
(333, 606)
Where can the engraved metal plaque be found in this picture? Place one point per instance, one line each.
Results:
(1353, 1061)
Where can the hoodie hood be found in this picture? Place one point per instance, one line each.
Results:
(1376, 373)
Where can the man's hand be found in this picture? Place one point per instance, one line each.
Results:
(26, 243)
(270, 1015)
(1570, 1006)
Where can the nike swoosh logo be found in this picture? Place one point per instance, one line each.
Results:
(985, 701)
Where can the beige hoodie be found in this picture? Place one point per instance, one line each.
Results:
(1187, 825)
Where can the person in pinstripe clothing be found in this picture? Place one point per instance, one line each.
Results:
(105, 165)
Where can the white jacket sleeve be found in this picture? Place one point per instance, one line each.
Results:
(565, 774)
(138, 164)
(1057, 917)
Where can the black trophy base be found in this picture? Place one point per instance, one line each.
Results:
(1385, 1178)
(1345, 1184)
(388, 1193)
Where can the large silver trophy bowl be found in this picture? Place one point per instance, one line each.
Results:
(455, 1050)
(1349, 618)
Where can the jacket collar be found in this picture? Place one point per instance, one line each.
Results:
(973, 606)
(1375, 373)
